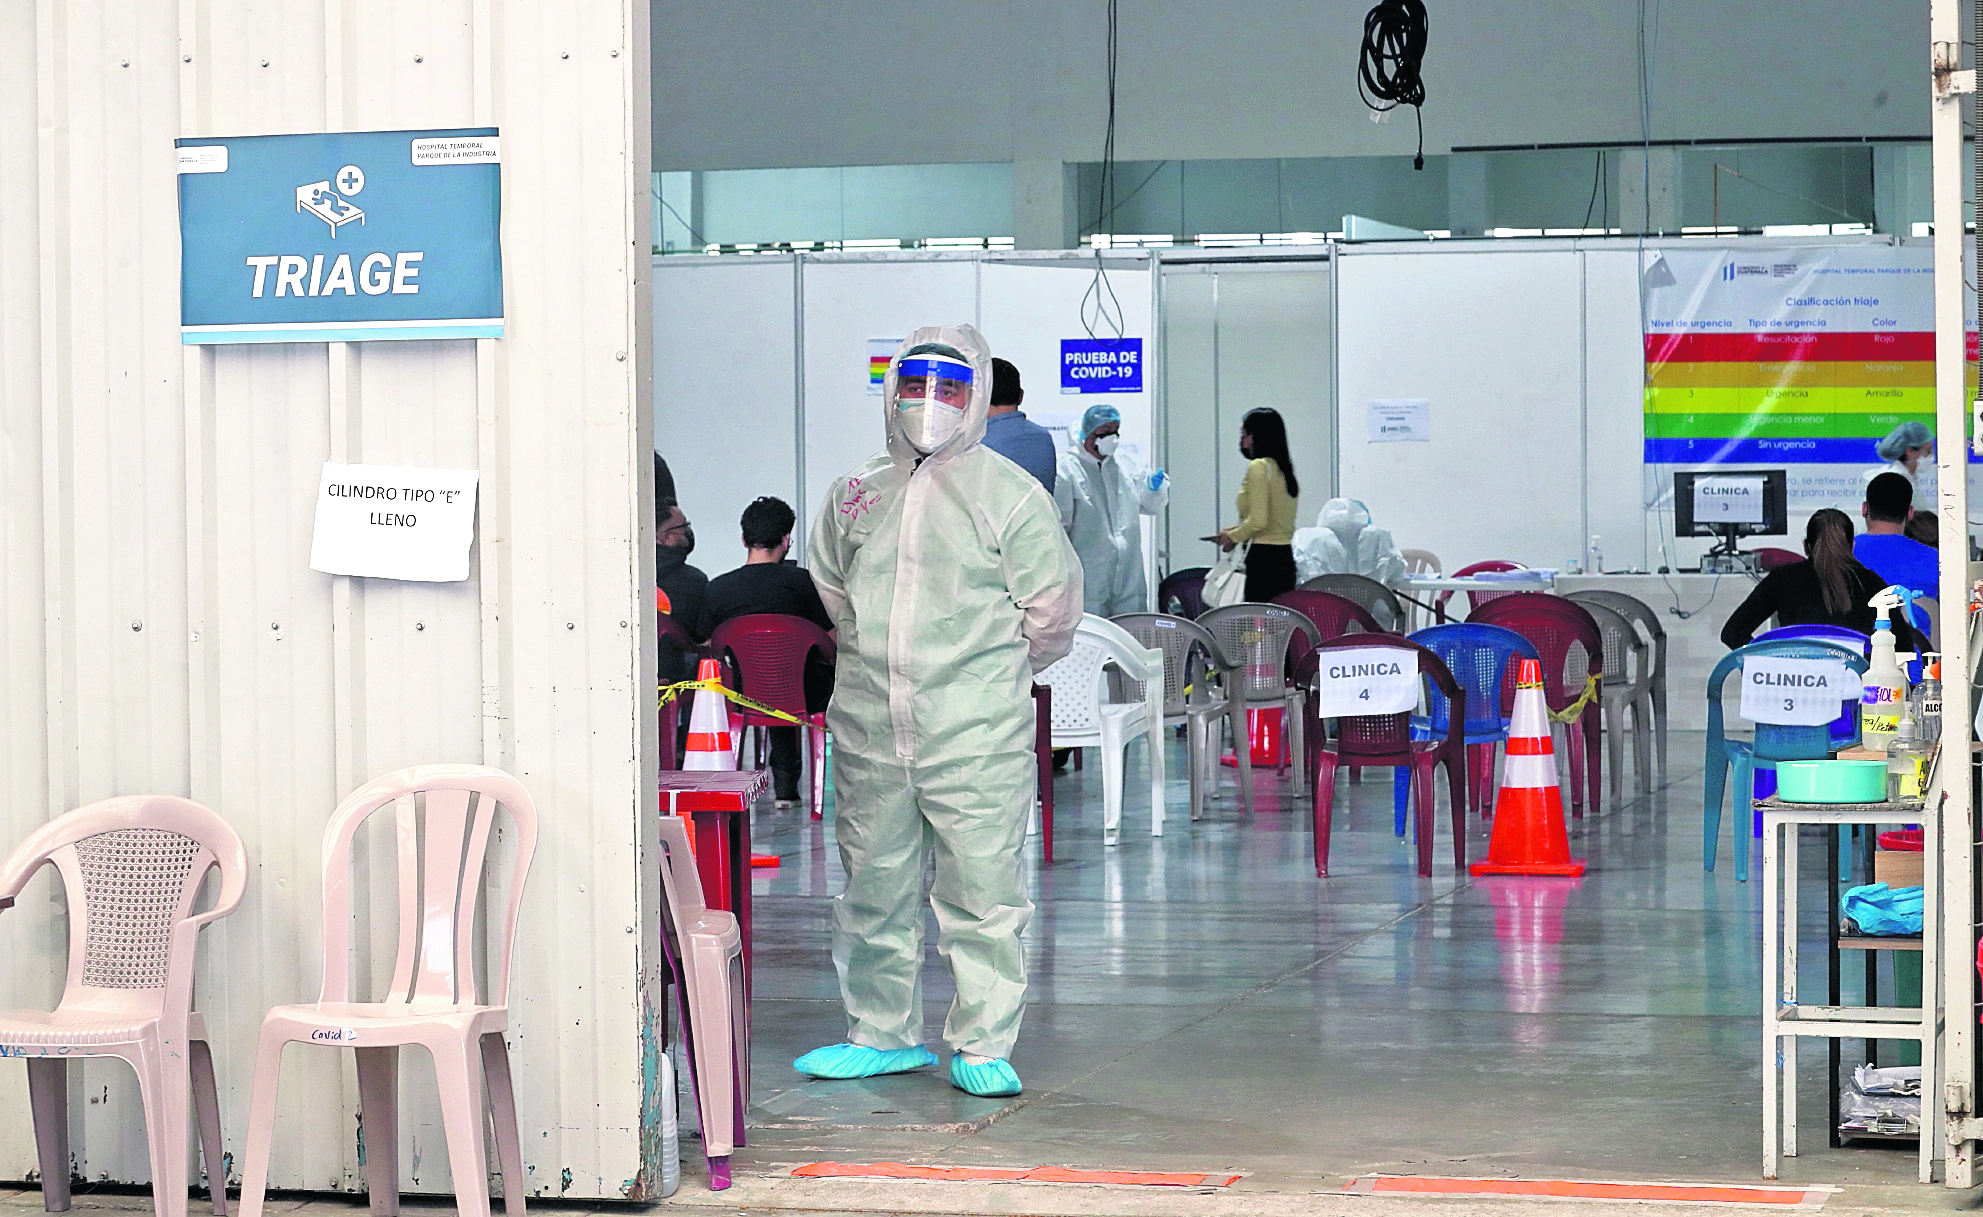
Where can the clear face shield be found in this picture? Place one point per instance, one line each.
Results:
(931, 394)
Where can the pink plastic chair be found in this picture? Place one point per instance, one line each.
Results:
(432, 999)
(1555, 626)
(1474, 598)
(132, 869)
(708, 956)
(768, 653)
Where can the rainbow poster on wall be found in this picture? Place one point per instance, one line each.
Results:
(880, 351)
(1800, 357)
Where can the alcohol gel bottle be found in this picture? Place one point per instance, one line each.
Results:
(1884, 687)
(1597, 557)
(1925, 703)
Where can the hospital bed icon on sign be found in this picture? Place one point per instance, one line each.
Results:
(321, 201)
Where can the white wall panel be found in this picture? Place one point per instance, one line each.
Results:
(1493, 340)
(725, 394)
(159, 627)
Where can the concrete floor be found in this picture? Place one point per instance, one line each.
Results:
(1202, 1002)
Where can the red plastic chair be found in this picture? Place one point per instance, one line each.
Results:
(768, 653)
(1476, 599)
(672, 631)
(1386, 739)
(1555, 625)
(1334, 615)
(1769, 557)
(1182, 592)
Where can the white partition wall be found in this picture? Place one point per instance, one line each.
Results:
(761, 375)
(1241, 334)
(160, 628)
(1493, 339)
(725, 387)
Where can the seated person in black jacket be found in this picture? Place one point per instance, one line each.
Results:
(1830, 587)
(766, 583)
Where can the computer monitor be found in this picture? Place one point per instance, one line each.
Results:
(1730, 503)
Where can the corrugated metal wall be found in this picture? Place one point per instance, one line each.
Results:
(160, 629)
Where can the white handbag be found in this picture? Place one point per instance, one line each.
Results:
(1225, 583)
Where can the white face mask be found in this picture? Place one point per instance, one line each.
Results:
(1106, 445)
(926, 425)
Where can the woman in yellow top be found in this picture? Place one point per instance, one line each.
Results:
(1267, 501)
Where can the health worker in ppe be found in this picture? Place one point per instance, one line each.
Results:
(1909, 450)
(1101, 503)
(1343, 543)
(945, 569)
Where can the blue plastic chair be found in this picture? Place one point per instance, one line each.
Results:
(1773, 742)
(1478, 656)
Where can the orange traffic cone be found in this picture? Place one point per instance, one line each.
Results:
(1529, 836)
(710, 745)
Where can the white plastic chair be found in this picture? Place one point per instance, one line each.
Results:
(709, 952)
(1081, 719)
(132, 869)
(431, 1001)
(1191, 700)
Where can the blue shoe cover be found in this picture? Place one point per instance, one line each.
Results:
(844, 1061)
(987, 1079)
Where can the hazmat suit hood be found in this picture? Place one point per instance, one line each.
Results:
(1344, 543)
(963, 343)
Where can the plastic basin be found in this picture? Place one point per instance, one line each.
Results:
(1831, 781)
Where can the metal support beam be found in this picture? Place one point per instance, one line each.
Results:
(1958, 982)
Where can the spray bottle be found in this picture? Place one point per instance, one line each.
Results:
(1884, 688)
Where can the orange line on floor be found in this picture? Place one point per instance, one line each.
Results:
(1568, 1189)
(1034, 1174)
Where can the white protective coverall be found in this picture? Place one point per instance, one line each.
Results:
(951, 584)
(1101, 506)
(1343, 543)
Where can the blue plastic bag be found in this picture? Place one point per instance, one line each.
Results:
(1881, 910)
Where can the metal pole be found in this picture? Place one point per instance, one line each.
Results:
(1958, 982)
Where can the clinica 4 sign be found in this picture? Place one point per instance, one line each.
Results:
(345, 237)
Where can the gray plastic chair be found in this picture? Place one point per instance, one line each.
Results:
(1646, 620)
(1253, 642)
(1626, 688)
(1380, 601)
(1191, 664)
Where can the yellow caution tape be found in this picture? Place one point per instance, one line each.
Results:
(1571, 712)
(671, 692)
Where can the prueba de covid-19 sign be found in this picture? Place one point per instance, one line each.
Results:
(346, 237)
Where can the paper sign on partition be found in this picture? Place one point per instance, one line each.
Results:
(1795, 692)
(1367, 680)
(1398, 420)
(393, 522)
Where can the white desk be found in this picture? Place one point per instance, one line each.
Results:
(1784, 1020)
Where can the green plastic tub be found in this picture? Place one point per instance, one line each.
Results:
(1831, 781)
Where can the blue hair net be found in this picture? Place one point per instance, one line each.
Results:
(1901, 438)
(1096, 416)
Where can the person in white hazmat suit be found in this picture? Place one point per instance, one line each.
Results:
(1343, 543)
(1101, 507)
(945, 568)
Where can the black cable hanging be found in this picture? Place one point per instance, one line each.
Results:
(1098, 301)
(1387, 70)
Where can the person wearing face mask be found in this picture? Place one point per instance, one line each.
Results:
(1101, 505)
(679, 587)
(1268, 497)
(944, 568)
(1909, 450)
